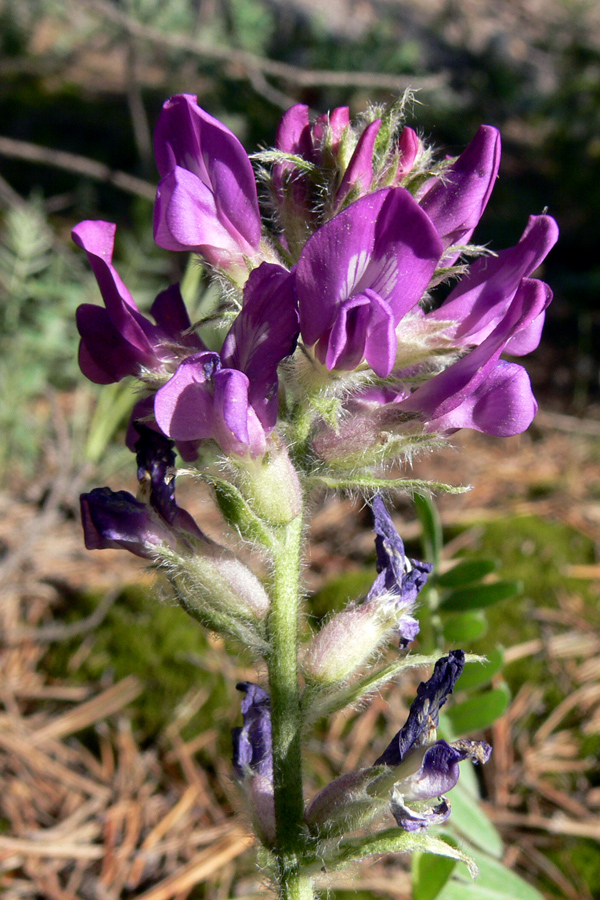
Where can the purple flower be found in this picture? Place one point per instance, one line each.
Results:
(414, 770)
(118, 341)
(252, 746)
(496, 308)
(253, 758)
(439, 769)
(232, 397)
(479, 390)
(481, 298)
(456, 201)
(399, 576)
(117, 519)
(206, 200)
(359, 275)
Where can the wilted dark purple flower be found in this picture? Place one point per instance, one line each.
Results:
(398, 576)
(422, 768)
(206, 200)
(253, 758)
(208, 578)
(252, 746)
(439, 769)
(359, 275)
(439, 773)
(119, 340)
(118, 519)
(231, 397)
(423, 718)
(155, 457)
(115, 519)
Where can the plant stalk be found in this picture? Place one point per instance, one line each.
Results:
(285, 713)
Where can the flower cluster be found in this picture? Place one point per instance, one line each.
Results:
(363, 228)
(358, 320)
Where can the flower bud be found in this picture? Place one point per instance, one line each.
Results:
(409, 148)
(217, 578)
(351, 637)
(271, 485)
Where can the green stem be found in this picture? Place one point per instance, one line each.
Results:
(285, 712)
(296, 887)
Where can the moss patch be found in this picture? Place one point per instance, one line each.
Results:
(159, 644)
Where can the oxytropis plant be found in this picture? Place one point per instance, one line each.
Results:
(358, 324)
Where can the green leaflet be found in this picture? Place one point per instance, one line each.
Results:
(461, 629)
(495, 882)
(431, 523)
(467, 572)
(480, 596)
(396, 840)
(470, 821)
(479, 711)
(430, 874)
(476, 675)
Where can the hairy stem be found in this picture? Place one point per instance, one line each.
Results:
(294, 886)
(285, 712)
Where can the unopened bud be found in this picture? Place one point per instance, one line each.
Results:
(351, 637)
(217, 578)
(271, 486)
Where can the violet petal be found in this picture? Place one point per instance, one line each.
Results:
(450, 388)
(383, 242)
(456, 202)
(113, 519)
(264, 333)
(252, 746)
(359, 174)
(481, 298)
(188, 137)
(184, 406)
(424, 712)
(502, 405)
